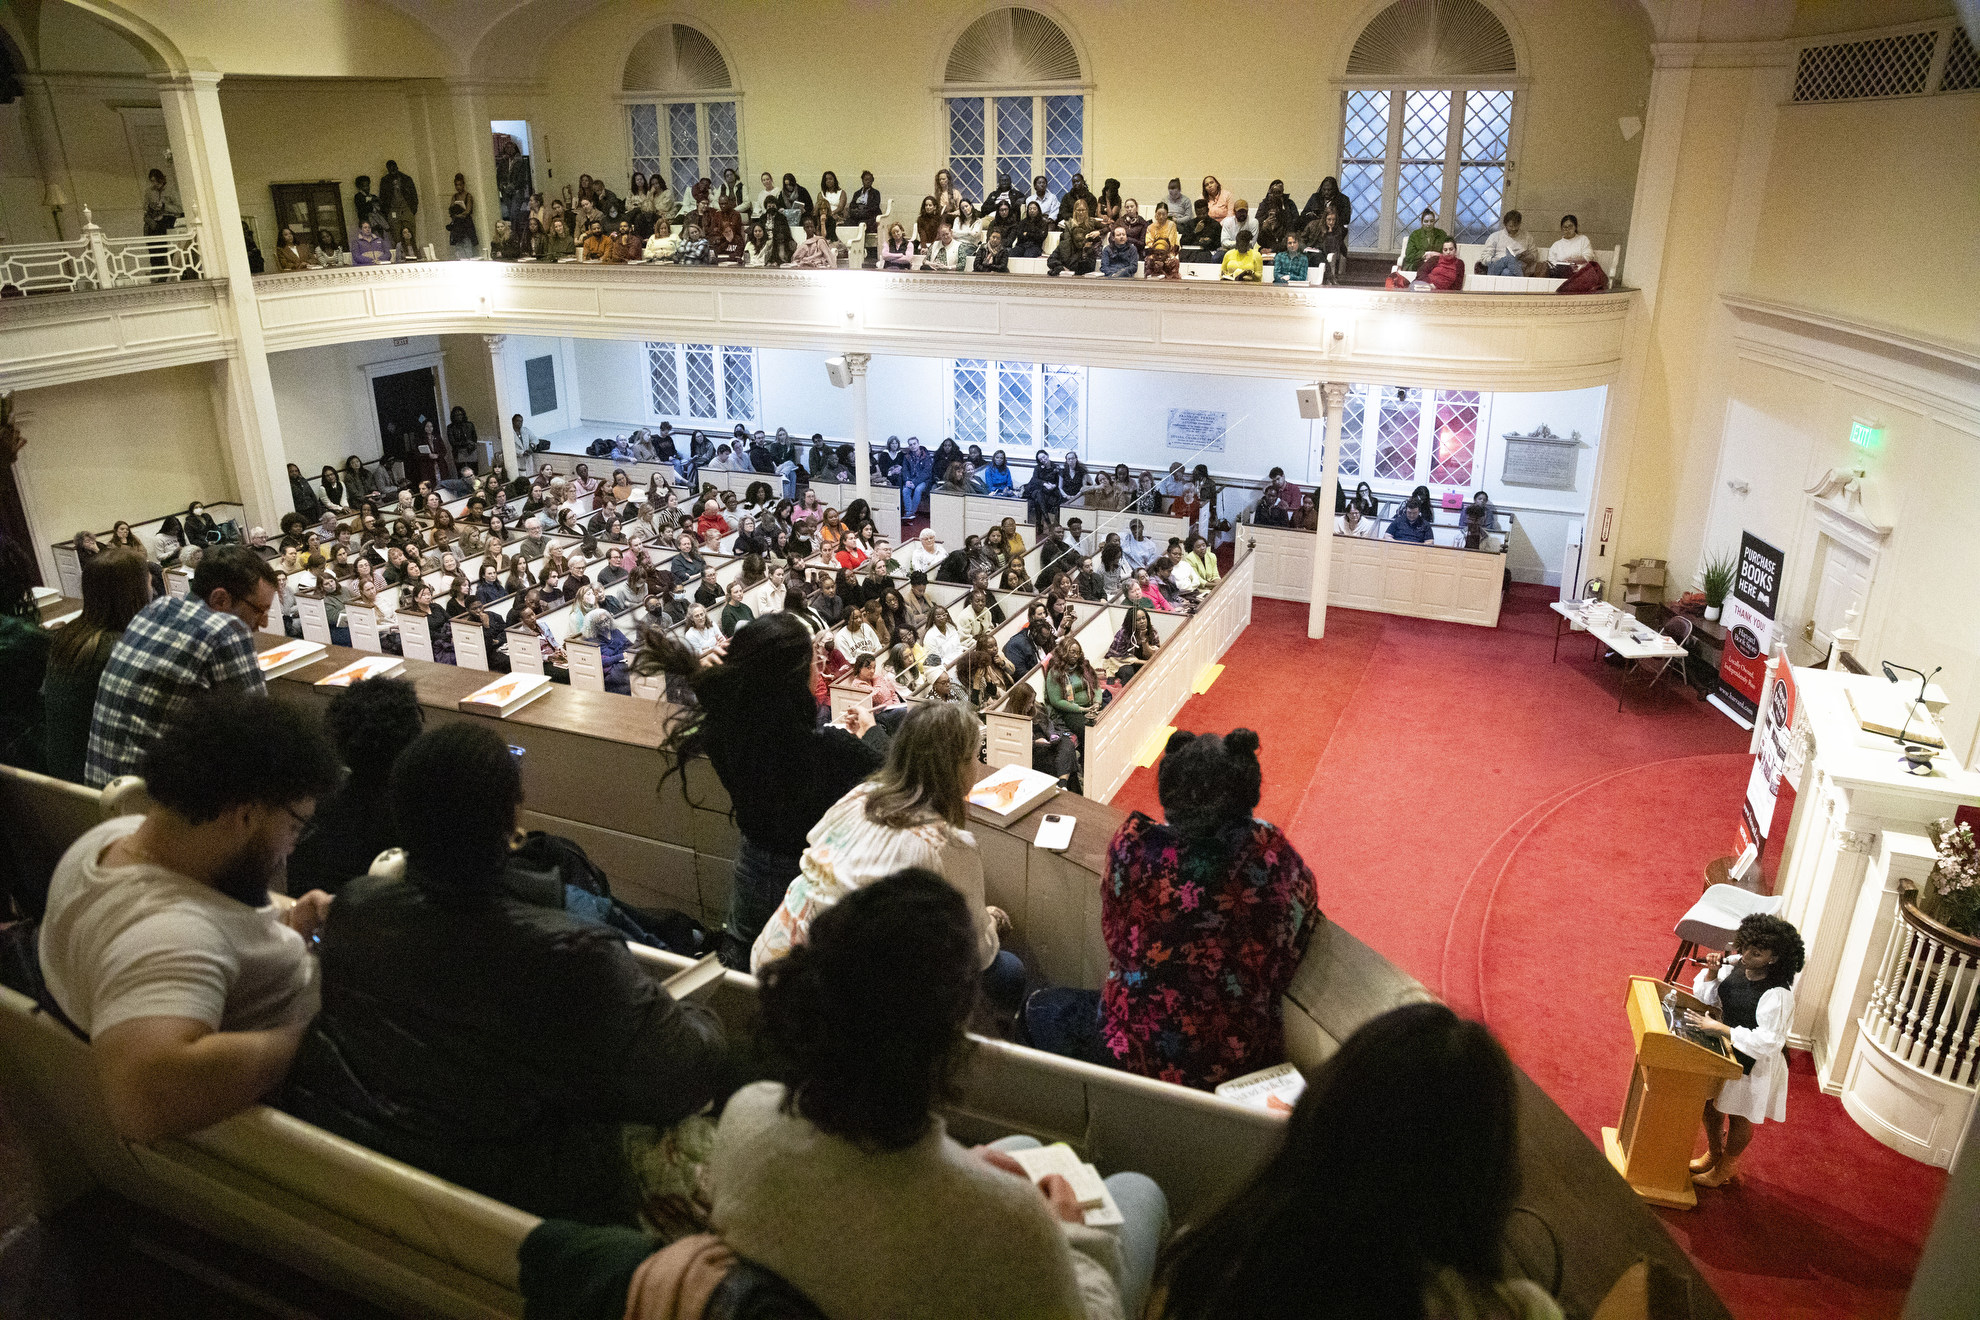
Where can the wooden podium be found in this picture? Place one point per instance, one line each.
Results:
(1672, 1080)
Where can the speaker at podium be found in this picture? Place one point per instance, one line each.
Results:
(1676, 1072)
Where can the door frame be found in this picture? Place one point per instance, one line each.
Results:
(399, 366)
(1826, 521)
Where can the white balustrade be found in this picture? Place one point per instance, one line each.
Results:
(1922, 1010)
(96, 261)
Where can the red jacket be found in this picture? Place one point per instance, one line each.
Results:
(1441, 272)
(1589, 279)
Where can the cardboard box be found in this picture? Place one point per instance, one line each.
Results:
(1644, 573)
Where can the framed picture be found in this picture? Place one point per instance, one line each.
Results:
(311, 208)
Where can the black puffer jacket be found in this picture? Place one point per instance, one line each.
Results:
(499, 1046)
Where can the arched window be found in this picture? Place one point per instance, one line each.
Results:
(1427, 121)
(1013, 104)
(683, 114)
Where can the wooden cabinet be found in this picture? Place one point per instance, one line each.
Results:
(311, 207)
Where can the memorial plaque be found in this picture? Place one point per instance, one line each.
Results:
(1197, 430)
(1543, 460)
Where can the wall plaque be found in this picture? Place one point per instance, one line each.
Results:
(1543, 460)
(1197, 430)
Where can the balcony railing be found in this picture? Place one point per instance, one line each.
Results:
(1924, 1010)
(96, 261)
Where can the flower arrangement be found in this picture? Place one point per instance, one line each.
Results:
(1955, 881)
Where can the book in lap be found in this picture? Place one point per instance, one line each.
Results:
(1041, 1162)
(506, 695)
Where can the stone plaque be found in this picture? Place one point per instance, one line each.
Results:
(1197, 430)
(1543, 460)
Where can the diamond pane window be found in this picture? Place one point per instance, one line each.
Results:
(1397, 161)
(967, 139)
(739, 382)
(1396, 434)
(1014, 392)
(1481, 184)
(663, 372)
(1481, 190)
(1065, 138)
(645, 138)
(683, 147)
(701, 380)
(1456, 440)
(1014, 137)
(1363, 186)
(1426, 125)
(724, 139)
(969, 392)
(1352, 415)
(1061, 412)
(1418, 188)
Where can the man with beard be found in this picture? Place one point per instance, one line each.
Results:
(160, 942)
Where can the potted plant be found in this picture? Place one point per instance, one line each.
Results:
(1952, 891)
(1718, 574)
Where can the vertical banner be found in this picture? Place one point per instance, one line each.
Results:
(1763, 785)
(1749, 622)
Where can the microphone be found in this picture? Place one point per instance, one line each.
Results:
(1924, 681)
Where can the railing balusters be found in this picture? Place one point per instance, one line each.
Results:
(1923, 1004)
(98, 262)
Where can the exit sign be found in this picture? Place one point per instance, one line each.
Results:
(1865, 435)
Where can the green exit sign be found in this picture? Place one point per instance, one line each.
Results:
(1865, 435)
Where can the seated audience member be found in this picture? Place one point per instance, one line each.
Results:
(993, 258)
(1425, 238)
(1278, 504)
(1415, 1121)
(1289, 266)
(498, 1044)
(1443, 270)
(1119, 259)
(1411, 523)
(116, 584)
(911, 813)
(291, 255)
(1201, 561)
(1584, 277)
(1202, 234)
(814, 253)
(1071, 257)
(1570, 247)
(896, 253)
(1509, 250)
(370, 723)
(1243, 262)
(867, 1026)
(160, 942)
(1475, 531)
(1205, 1009)
(1356, 523)
(369, 249)
(1326, 237)
(1072, 689)
(175, 649)
(1028, 649)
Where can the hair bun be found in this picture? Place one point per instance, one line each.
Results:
(1179, 739)
(1241, 742)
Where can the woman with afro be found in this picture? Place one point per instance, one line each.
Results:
(1753, 988)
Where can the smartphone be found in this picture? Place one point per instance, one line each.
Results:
(516, 751)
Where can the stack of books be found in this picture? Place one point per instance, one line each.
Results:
(506, 695)
(289, 656)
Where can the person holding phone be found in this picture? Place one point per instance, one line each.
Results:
(1753, 989)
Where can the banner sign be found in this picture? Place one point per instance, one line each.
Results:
(1749, 624)
(1763, 785)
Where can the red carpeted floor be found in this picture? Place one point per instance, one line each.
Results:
(1487, 819)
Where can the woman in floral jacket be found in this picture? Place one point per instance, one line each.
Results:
(1206, 919)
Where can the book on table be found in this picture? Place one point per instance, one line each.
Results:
(506, 694)
(1095, 1201)
(1887, 711)
(372, 666)
(1276, 1089)
(278, 660)
(1010, 789)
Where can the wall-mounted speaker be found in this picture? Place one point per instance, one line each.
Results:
(838, 373)
(1311, 405)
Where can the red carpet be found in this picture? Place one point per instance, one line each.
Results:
(1490, 822)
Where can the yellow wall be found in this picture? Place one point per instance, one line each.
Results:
(1870, 213)
(848, 88)
(297, 38)
(135, 446)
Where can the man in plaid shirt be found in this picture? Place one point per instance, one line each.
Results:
(176, 650)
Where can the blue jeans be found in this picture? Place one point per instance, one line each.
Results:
(1146, 1210)
(1507, 265)
(912, 493)
(1003, 983)
(1066, 1022)
(761, 877)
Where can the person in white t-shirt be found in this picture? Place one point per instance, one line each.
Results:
(161, 943)
(1509, 249)
(1571, 246)
(924, 555)
(1355, 523)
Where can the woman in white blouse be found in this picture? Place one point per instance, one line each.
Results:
(703, 637)
(911, 814)
(943, 641)
(1753, 989)
(1572, 245)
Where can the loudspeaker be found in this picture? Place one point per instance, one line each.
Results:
(838, 373)
(1311, 406)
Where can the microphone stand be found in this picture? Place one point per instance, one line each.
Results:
(1924, 681)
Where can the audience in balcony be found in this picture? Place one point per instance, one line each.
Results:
(1509, 250)
(369, 248)
(1243, 261)
(1289, 266)
(1206, 917)
(1442, 270)
(160, 943)
(1118, 257)
(407, 248)
(1216, 201)
(1412, 523)
(291, 255)
(1415, 1121)
(1355, 522)
(515, 1049)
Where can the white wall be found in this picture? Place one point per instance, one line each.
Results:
(323, 398)
(517, 352)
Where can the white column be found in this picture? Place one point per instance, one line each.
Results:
(1335, 393)
(244, 394)
(862, 460)
(506, 404)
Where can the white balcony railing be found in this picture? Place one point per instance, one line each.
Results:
(1923, 1008)
(96, 261)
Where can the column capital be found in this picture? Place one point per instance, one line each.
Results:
(856, 362)
(1337, 392)
(494, 342)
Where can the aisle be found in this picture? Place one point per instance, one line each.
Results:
(1488, 821)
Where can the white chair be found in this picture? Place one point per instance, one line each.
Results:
(1713, 919)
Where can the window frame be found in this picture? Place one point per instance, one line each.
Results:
(1039, 375)
(659, 101)
(719, 364)
(1427, 401)
(1391, 233)
(1039, 93)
